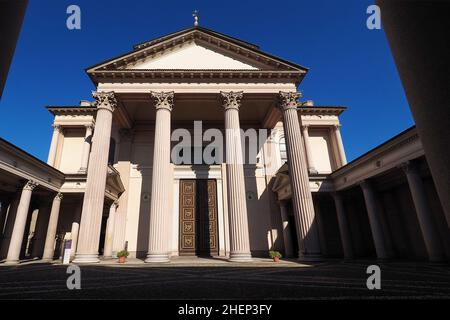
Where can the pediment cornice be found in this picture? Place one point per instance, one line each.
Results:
(269, 67)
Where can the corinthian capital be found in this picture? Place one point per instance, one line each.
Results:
(163, 100)
(105, 100)
(288, 100)
(59, 196)
(30, 185)
(231, 100)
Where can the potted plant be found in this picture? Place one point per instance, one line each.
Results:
(122, 255)
(275, 255)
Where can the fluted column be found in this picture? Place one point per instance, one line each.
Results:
(74, 231)
(94, 197)
(344, 229)
(86, 148)
(54, 145)
(287, 237)
(311, 168)
(109, 234)
(49, 248)
(374, 212)
(308, 238)
(340, 145)
(237, 206)
(41, 229)
(19, 225)
(424, 214)
(158, 246)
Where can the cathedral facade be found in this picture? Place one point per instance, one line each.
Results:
(198, 144)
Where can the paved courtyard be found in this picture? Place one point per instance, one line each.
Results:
(221, 280)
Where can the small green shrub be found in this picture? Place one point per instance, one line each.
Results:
(123, 253)
(275, 254)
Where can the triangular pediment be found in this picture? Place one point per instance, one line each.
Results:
(199, 52)
(195, 56)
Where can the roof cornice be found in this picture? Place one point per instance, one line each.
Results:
(186, 74)
(314, 110)
(55, 110)
(407, 136)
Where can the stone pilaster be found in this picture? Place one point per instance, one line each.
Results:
(19, 224)
(309, 246)
(49, 248)
(340, 145)
(54, 145)
(311, 168)
(374, 212)
(86, 148)
(287, 237)
(94, 197)
(344, 229)
(158, 246)
(423, 211)
(109, 234)
(237, 206)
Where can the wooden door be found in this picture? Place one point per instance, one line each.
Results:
(198, 218)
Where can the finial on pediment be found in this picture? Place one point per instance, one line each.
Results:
(195, 15)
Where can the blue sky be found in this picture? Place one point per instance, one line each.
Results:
(349, 64)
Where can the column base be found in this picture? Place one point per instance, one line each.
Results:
(313, 171)
(11, 262)
(240, 257)
(86, 258)
(157, 258)
(310, 258)
(47, 260)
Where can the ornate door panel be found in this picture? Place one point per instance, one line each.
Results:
(198, 218)
(187, 217)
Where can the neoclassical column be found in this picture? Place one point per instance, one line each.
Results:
(54, 145)
(86, 148)
(3, 214)
(109, 235)
(158, 245)
(237, 206)
(424, 214)
(41, 228)
(340, 145)
(75, 230)
(374, 212)
(311, 168)
(287, 237)
(19, 225)
(308, 238)
(344, 229)
(49, 247)
(94, 196)
(9, 224)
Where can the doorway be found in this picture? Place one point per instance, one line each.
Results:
(198, 218)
